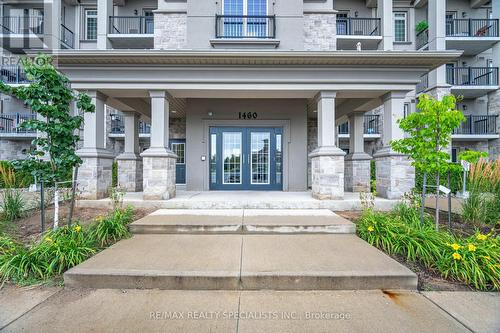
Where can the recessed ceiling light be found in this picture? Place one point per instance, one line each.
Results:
(173, 111)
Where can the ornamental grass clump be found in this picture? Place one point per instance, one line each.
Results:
(113, 227)
(13, 203)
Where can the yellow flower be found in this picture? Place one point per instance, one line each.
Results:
(78, 228)
(457, 256)
(455, 246)
(481, 237)
(99, 218)
(48, 240)
(471, 248)
(370, 228)
(486, 257)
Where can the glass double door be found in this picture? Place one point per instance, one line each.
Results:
(246, 158)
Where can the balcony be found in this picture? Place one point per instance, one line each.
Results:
(245, 30)
(10, 125)
(131, 31)
(422, 39)
(118, 127)
(13, 74)
(423, 84)
(472, 82)
(22, 25)
(67, 38)
(471, 35)
(476, 128)
(351, 30)
(370, 128)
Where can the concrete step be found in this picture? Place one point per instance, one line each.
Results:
(242, 221)
(248, 262)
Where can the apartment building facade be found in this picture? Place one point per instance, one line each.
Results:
(258, 94)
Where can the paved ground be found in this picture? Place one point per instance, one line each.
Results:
(244, 199)
(112, 310)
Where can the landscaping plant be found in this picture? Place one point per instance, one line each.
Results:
(429, 135)
(59, 250)
(50, 96)
(474, 260)
(13, 203)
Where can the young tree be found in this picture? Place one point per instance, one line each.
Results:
(429, 135)
(49, 95)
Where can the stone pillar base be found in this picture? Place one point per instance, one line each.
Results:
(327, 168)
(357, 172)
(158, 174)
(129, 172)
(95, 174)
(395, 175)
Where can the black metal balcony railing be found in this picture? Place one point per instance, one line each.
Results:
(118, 125)
(472, 76)
(245, 26)
(131, 25)
(10, 123)
(370, 126)
(13, 74)
(22, 24)
(422, 38)
(358, 26)
(423, 84)
(67, 37)
(472, 28)
(478, 125)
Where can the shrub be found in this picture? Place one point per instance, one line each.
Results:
(114, 174)
(59, 250)
(456, 179)
(473, 260)
(421, 26)
(12, 199)
(112, 227)
(373, 177)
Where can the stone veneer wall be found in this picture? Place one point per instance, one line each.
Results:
(14, 149)
(170, 30)
(320, 30)
(312, 143)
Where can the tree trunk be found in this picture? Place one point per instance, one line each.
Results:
(437, 200)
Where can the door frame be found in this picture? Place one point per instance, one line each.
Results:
(283, 123)
(246, 159)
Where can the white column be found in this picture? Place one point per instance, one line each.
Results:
(129, 162)
(159, 160)
(357, 162)
(94, 175)
(104, 11)
(52, 24)
(437, 42)
(327, 161)
(384, 12)
(159, 120)
(394, 174)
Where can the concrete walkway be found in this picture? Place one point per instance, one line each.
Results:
(112, 310)
(244, 200)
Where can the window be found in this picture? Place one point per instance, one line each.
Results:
(400, 27)
(90, 24)
(454, 155)
(179, 150)
(237, 25)
(406, 110)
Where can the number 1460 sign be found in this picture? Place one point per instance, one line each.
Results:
(247, 115)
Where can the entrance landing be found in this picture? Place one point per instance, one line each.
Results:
(244, 200)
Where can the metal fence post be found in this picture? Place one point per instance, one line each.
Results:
(42, 207)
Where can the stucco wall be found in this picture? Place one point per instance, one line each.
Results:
(291, 112)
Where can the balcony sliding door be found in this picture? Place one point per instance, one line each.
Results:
(245, 18)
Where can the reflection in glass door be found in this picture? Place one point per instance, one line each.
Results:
(246, 158)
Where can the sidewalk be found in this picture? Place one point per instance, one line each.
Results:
(106, 310)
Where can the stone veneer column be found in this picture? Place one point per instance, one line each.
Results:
(327, 161)
(320, 31)
(159, 160)
(129, 162)
(394, 173)
(94, 175)
(357, 162)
